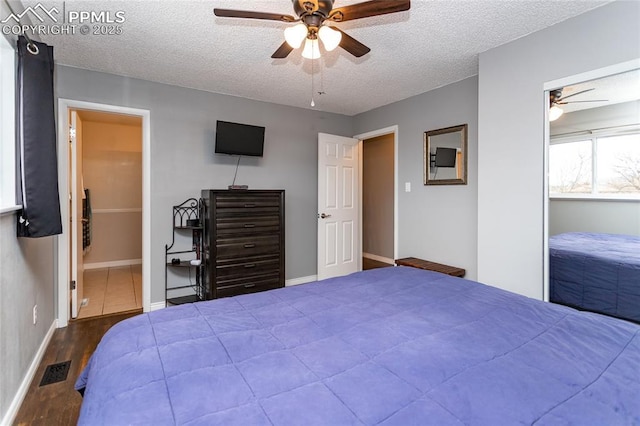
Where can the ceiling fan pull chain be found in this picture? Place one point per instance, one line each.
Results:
(313, 104)
(321, 91)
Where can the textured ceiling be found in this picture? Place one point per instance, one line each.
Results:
(184, 44)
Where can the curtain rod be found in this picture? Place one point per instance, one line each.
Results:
(31, 46)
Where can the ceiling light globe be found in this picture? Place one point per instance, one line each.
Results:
(330, 38)
(295, 35)
(555, 112)
(311, 49)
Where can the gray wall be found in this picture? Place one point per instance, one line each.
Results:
(183, 162)
(437, 222)
(377, 196)
(511, 124)
(26, 278)
(605, 216)
(27, 274)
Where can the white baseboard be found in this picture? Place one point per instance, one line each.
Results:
(379, 258)
(112, 264)
(301, 280)
(157, 306)
(11, 413)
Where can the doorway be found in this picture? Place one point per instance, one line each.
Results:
(110, 176)
(379, 247)
(113, 249)
(340, 224)
(378, 201)
(580, 193)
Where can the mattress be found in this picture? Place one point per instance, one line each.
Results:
(390, 346)
(596, 272)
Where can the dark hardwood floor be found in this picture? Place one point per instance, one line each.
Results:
(372, 264)
(58, 403)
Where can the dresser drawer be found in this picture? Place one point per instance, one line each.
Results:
(243, 211)
(249, 285)
(234, 204)
(230, 248)
(246, 267)
(247, 225)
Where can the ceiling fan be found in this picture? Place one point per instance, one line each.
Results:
(314, 17)
(556, 98)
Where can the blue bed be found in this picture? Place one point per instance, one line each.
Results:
(596, 272)
(391, 346)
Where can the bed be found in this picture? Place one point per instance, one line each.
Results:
(596, 272)
(390, 346)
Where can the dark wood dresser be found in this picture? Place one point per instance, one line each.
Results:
(243, 244)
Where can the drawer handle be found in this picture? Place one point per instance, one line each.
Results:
(249, 285)
(249, 205)
(249, 225)
(250, 265)
(249, 245)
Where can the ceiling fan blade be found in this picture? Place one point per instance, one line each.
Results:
(367, 9)
(283, 51)
(352, 45)
(230, 13)
(577, 93)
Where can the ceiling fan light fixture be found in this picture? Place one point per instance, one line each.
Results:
(555, 112)
(311, 49)
(330, 37)
(295, 35)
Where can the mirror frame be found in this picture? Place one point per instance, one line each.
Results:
(428, 135)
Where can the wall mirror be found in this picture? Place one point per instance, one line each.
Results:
(593, 190)
(445, 156)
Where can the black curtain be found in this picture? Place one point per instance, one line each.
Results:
(36, 131)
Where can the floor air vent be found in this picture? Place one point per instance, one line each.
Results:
(55, 373)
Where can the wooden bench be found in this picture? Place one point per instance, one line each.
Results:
(414, 262)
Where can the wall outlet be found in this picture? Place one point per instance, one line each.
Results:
(35, 314)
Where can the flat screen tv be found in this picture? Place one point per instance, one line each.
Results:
(239, 139)
(445, 157)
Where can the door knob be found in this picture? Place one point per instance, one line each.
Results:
(324, 216)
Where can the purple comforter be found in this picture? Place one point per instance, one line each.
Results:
(596, 272)
(389, 346)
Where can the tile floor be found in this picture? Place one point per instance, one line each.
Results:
(112, 290)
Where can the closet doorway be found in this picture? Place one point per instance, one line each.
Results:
(107, 262)
(379, 197)
(591, 157)
(377, 201)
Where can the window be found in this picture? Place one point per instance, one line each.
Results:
(618, 164)
(570, 168)
(7, 126)
(606, 166)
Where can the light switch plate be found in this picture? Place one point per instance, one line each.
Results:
(407, 187)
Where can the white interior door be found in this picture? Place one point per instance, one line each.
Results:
(77, 267)
(338, 199)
